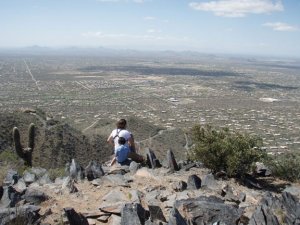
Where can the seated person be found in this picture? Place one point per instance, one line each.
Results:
(122, 153)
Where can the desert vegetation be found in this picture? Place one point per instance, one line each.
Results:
(225, 150)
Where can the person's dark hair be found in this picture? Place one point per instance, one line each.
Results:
(121, 124)
(121, 141)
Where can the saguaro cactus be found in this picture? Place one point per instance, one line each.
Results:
(25, 153)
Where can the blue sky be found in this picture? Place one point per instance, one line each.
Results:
(262, 27)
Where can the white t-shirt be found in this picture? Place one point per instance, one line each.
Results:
(116, 133)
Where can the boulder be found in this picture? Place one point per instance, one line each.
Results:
(179, 186)
(75, 218)
(156, 214)
(14, 196)
(262, 170)
(133, 167)
(176, 218)
(275, 210)
(152, 161)
(133, 214)
(68, 185)
(194, 182)
(34, 196)
(45, 179)
(209, 181)
(29, 177)
(207, 210)
(27, 214)
(76, 172)
(171, 161)
(11, 177)
(93, 170)
(20, 186)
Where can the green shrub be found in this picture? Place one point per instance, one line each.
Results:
(225, 150)
(10, 160)
(55, 173)
(8, 156)
(285, 166)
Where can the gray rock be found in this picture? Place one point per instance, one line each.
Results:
(11, 177)
(27, 214)
(242, 197)
(69, 185)
(133, 167)
(75, 218)
(115, 180)
(20, 186)
(133, 214)
(262, 170)
(97, 182)
(5, 201)
(194, 182)
(152, 197)
(39, 172)
(29, 178)
(35, 196)
(263, 215)
(228, 194)
(179, 186)
(114, 201)
(115, 220)
(135, 196)
(76, 172)
(294, 190)
(176, 218)
(94, 170)
(152, 161)
(207, 210)
(188, 166)
(273, 209)
(156, 214)
(172, 164)
(14, 196)
(45, 179)
(209, 181)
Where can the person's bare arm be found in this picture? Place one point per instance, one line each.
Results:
(113, 161)
(110, 140)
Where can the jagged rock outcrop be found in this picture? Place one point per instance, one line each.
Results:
(93, 170)
(207, 210)
(171, 161)
(27, 214)
(148, 196)
(275, 210)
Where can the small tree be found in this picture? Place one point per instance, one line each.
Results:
(285, 166)
(225, 150)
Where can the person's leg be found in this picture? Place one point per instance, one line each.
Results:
(135, 157)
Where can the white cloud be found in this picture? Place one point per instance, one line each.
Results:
(278, 26)
(151, 31)
(238, 8)
(135, 1)
(108, 0)
(149, 18)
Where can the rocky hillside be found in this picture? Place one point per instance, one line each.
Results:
(139, 195)
(57, 142)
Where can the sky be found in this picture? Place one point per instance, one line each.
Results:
(255, 27)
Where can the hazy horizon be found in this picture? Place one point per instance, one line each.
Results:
(241, 27)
